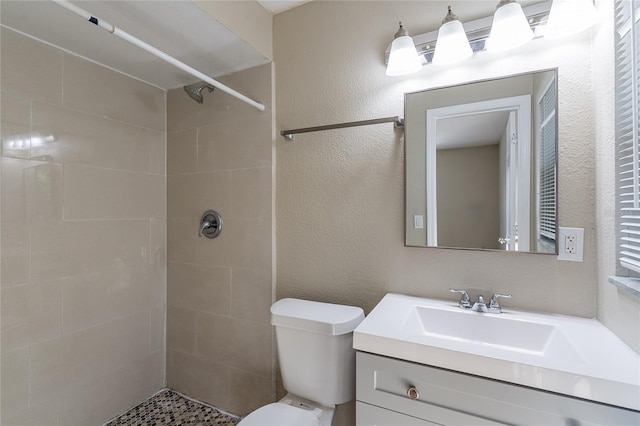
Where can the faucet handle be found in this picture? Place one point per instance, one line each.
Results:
(465, 302)
(493, 304)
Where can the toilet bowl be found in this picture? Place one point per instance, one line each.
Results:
(317, 362)
(290, 411)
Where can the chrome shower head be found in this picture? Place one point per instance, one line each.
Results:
(195, 91)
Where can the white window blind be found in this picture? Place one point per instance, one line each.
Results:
(547, 163)
(627, 21)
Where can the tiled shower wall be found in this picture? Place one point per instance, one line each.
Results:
(219, 156)
(83, 237)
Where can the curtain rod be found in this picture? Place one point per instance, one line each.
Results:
(396, 120)
(156, 52)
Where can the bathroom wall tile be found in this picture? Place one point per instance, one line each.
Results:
(82, 405)
(112, 271)
(182, 235)
(184, 113)
(14, 197)
(29, 314)
(157, 294)
(248, 392)
(34, 415)
(242, 243)
(210, 173)
(181, 329)
(93, 193)
(199, 378)
(44, 191)
(15, 257)
(106, 396)
(31, 190)
(157, 153)
(74, 137)
(15, 126)
(251, 193)
(182, 151)
(235, 343)
(236, 144)
(79, 358)
(257, 83)
(157, 315)
(69, 248)
(214, 337)
(30, 68)
(191, 195)
(94, 89)
(199, 287)
(251, 294)
(158, 244)
(14, 388)
(93, 299)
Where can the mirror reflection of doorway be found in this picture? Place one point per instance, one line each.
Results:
(479, 174)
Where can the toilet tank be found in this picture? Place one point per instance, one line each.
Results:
(315, 349)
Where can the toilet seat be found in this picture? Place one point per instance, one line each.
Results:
(281, 414)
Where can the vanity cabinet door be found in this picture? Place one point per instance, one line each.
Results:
(370, 415)
(385, 382)
(451, 398)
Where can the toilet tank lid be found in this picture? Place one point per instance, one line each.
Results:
(316, 317)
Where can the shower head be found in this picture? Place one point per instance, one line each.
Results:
(195, 91)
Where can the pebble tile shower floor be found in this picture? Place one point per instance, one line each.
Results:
(172, 409)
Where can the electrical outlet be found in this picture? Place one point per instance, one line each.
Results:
(571, 244)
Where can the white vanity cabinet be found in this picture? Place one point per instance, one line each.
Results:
(446, 397)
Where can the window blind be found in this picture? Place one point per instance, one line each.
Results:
(627, 23)
(547, 201)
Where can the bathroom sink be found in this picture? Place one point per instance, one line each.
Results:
(502, 332)
(569, 355)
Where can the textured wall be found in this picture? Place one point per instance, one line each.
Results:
(340, 197)
(219, 291)
(618, 311)
(83, 238)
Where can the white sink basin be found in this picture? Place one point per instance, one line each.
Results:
(569, 355)
(503, 331)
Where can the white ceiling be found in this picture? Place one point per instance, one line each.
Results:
(277, 6)
(179, 28)
(472, 130)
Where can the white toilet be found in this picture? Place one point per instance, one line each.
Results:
(317, 362)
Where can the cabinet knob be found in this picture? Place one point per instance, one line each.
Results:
(412, 393)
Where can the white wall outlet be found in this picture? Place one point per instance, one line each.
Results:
(571, 244)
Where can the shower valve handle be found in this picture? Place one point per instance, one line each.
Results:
(210, 224)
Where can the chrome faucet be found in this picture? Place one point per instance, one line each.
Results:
(494, 306)
(465, 302)
(480, 305)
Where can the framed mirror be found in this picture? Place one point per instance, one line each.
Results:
(481, 165)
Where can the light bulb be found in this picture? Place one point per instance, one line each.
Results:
(510, 28)
(452, 44)
(403, 57)
(569, 17)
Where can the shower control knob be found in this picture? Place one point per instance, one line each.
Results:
(412, 393)
(210, 224)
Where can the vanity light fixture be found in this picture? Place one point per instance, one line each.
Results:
(403, 57)
(477, 33)
(452, 44)
(510, 28)
(569, 17)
